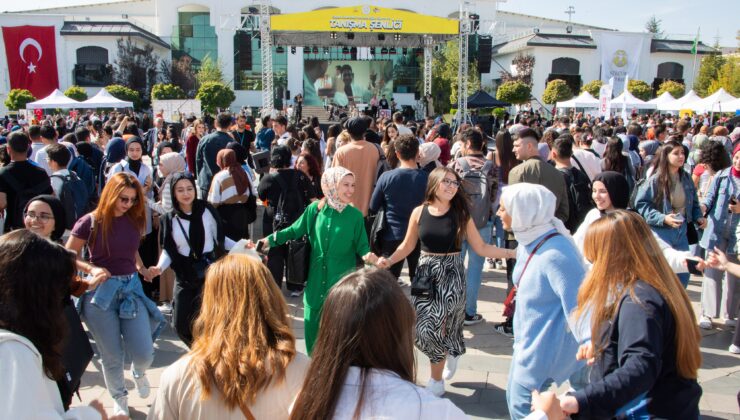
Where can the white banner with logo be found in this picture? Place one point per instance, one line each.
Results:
(620, 56)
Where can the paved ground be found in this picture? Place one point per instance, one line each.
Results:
(479, 385)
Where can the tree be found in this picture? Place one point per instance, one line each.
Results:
(515, 92)
(75, 92)
(640, 89)
(676, 89)
(524, 65)
(18, 98)
(499, 112)
(210, 71)
(708, 71)
(593, 87)
(167, 91)
(444, 76)
(214, 95)
(125, 94)
(653, 25)
(135, 67)
(179, 73)
(555, 91)
(728, 77)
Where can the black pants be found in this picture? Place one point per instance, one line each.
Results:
(149, 253)
(185, 308)
(389, 247)
(510, 262)
(276, 259)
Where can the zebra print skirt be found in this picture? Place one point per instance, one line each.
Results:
(439, 318)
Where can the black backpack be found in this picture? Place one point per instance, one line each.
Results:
(291, 204)
(579, 197)
(22, 197)
(480, 187)
(74, 197)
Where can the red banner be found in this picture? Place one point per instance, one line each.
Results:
(32, 59)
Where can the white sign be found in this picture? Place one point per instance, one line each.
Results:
(605, 98)
(176, 110)
(620, 56)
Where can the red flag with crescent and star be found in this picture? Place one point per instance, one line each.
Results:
(32, 59)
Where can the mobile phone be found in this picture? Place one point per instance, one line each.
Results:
(260, 245)
(691, 265)
(733, 200)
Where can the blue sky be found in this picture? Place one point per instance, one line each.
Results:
(679, 17)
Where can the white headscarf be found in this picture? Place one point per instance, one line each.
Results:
(532, 210)
(330, 186)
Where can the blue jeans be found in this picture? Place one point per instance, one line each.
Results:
(519, 397)
(475, 269)
(500, 233)
(116, 336)
(678, 240)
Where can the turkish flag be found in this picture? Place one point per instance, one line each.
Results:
(32, 59)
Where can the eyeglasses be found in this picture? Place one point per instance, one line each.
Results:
(42, 217)
(451, 183)
(126, 200)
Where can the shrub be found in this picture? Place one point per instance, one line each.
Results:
(18, 98)
(499, 112)
(214, 95)
(555, 91)
(593, 87)
(75, 92)
(640, 89)
(167, 91)
(125, 94)
(514, 92)
(676, 89)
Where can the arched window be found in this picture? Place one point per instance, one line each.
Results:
(670, 70)
(92, 55)
(565, 65)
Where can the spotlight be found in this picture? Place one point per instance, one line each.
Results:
(333, 35)
(280, 50)
(384, 51)
(306, 50)
(292, 50)
(315, 50)
(353, 50)
(397, 37)
(405, 51)
(392, 51)
(381, 37)
(350, 35)
(345, 50)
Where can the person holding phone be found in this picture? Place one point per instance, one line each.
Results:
(718, 260)
(668, 201)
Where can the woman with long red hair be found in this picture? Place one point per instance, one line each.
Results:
(117, 313)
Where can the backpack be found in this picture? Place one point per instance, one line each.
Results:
(285, 214)
(579, 197)
(382, 165)
(22, 197)
(480, 187)
(85, 172)
(74, 197)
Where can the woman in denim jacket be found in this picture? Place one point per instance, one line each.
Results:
(667, 207)
(718, 289)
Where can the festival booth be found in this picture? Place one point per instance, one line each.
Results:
(626, 99)
(584, 100)
(680, 103)
(662, 99)
(482, 99)
(716, 102)
(103, 99)
(56, 100)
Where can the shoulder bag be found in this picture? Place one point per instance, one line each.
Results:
(510, 302)
(298, 260)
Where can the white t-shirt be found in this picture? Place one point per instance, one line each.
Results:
(591, 163)
(40, 159)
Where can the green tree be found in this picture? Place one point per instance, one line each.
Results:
(498, 112)
(125, 94)
(708, 71)
(728, 77)
(640, 89)
(18, 98)
(676, 89)
(135, 67)
(653, 25)
(445, 63)
(514, 92)
(167, 91)
(210, 71)
(555, 91)
(75, 92)
(214, 95)
(593, 87)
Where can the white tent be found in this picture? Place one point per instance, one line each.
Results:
(680, 103)
(662, 99)
(732, 106)
(713, 103)
(103, 99)
(627, 98)
(53, 101)
(584, 100)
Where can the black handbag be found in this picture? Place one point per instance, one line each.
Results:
(76, 355)
(421, 286)
(376, 231)
(298, 261)
(692, 234)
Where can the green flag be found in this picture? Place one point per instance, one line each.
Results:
(693, 47)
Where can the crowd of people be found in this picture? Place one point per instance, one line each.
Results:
(597, 223)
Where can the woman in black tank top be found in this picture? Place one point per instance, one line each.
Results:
(442, 223)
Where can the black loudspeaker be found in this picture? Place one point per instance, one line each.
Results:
(485, 47)
(417, 95)
(244, 43)
(287, 94)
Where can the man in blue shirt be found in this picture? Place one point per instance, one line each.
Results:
(208, 148)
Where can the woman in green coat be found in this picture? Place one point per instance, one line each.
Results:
(336, 232)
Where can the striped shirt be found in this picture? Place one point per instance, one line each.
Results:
(223, 190)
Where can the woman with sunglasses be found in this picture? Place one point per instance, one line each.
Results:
(442, 223)
(120, 317)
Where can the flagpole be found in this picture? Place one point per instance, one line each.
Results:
(696, 50)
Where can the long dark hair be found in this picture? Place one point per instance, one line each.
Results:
(663, 171)
(459, 205)
(32, 294)
(505, 152)
(614, 160)
(366, 322)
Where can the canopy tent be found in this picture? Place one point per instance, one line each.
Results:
(626, 98)
(662, 99)
(715, 102)
(55, 100)
(680, 103)
(584, 100)
(481, 99)
(732, 106)
(103, 99)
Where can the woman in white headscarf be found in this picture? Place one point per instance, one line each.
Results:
(336, 232)
(547, 276)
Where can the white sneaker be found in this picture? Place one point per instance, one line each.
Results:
(165, 308)
(450, 367)
(142, 386)
(296, 293)
(436, 387)
(729, 322)
(705, 323)
(734, 349)
(120, 406)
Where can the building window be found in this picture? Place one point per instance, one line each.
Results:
(193, 37)
(92, 68)
(566, 65)
(670, 70)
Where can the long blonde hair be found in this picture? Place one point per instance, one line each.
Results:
(622, 249)
(242, 338)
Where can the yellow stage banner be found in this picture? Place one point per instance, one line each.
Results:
(364, 19)
(685, 113)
